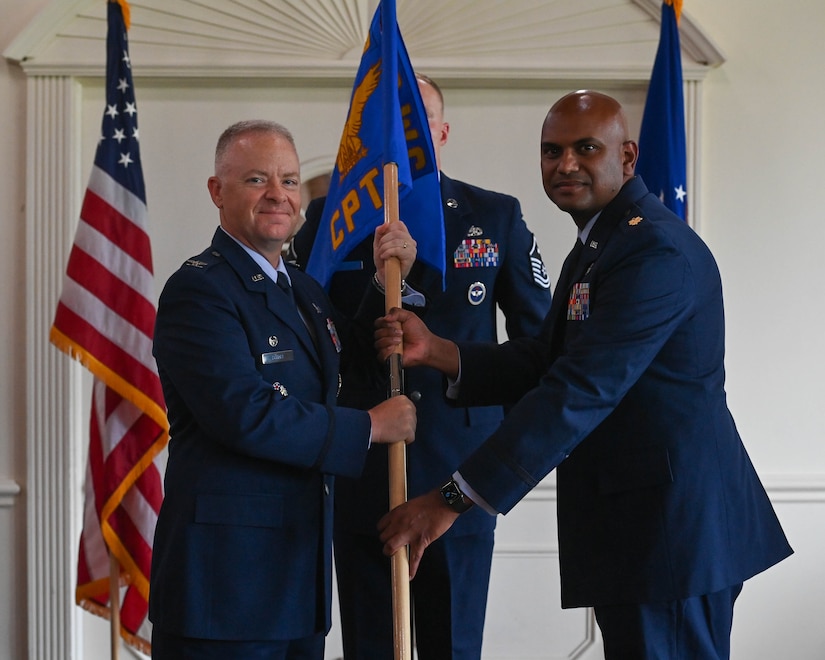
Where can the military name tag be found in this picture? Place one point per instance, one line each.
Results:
(578, 304)
(277, 356)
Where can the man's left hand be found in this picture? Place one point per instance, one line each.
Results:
(416, 523)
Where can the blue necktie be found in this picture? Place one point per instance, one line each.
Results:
(286, 287)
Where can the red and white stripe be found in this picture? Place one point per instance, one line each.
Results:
(105, 318)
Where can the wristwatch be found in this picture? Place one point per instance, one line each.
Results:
(454, 497)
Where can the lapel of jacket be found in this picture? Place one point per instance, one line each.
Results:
(457, 211)
(318, 323)
(579, 269)
(255, 281)
(602, 231)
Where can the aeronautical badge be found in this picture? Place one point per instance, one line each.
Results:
(578, 303)
(475, 231)
(540, 275)
(333, 334)
(476, 253)
(476, 293)
(634, 221)
(280, 389)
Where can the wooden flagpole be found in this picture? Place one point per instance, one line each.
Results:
(114, 604)
(397, 452)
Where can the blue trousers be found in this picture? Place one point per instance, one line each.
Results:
(173, 647)
(690, 629)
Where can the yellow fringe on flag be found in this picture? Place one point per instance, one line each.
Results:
(676, 4)
(127, 14)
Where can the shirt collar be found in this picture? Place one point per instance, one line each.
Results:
(269, 270)
(584, 232)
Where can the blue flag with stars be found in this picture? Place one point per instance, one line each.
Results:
(386, 123)
(662, 160)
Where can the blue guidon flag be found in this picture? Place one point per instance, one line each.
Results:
(662, 145)
(386, 123)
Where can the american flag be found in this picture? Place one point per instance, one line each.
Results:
(105, 319)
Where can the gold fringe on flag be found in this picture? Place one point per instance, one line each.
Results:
(676, 4)
(127, 13)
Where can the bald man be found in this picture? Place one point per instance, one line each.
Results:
(661, 515)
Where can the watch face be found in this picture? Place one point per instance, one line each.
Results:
(451, 496)
(454, 497)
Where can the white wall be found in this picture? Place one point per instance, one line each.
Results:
(762, 146)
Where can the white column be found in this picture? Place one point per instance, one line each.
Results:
(693, 134)
(54, 421)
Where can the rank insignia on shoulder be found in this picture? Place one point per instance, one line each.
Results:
(634, 221)
(195, 263)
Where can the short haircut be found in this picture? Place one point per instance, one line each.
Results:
(432, 83)
(240, 128)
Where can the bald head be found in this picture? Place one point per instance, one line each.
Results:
(597, 107)
(586, 153)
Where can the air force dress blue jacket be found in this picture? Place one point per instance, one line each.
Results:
(243, 542)
(623, 393)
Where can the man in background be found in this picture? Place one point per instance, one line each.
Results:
(492, 261)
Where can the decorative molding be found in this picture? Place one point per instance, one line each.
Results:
(781, 487)
(591, 40)
(9, 490)
(795, 488)
(694, 42)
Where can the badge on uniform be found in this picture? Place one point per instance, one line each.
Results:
(578, 303)
(277, 356)
(540, 275)
(476, 253)
(333, 333)
(476, 293)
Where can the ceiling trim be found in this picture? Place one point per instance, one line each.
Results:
(593, 40)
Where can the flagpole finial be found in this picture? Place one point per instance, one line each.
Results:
(677, 7)
(126, 11)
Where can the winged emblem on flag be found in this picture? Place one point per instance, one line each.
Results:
(352, 149)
